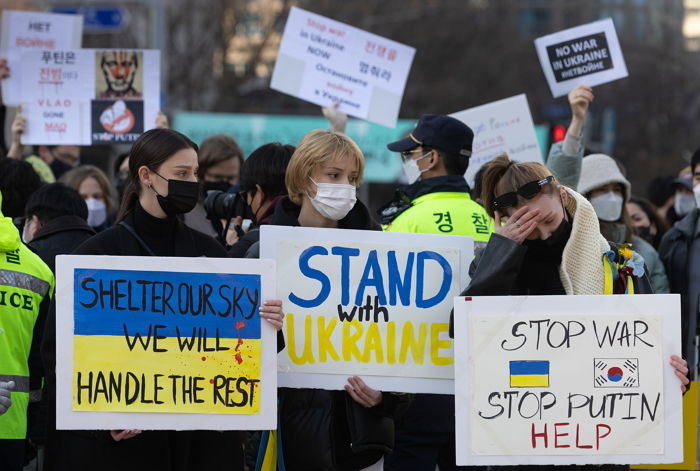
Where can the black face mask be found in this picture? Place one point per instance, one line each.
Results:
(59, 167)
(182, 196)
(554, 245)
(215, 186)
(645, 233)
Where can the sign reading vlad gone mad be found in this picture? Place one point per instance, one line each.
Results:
(24, 31)
(145, 343)
(589, 54)
(567, 380)
(89, 96)
(503, 126)
(367, 303)
(325, 62)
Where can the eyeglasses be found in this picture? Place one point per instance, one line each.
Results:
(527, 191)
(407, 154)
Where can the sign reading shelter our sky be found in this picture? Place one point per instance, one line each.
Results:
(589, 54)
(558, 380)
(143, 342)
(325, 62)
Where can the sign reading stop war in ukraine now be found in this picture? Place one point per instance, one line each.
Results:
(503, 126)
(367, 303)
(24, 31)
(89, 96)
(585, 55)
(325, 62)
(567, 380)
(142, 337)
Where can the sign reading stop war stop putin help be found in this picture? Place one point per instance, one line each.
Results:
(164, 343)
(89, 96)
(567, 380)
(589, 54)
(367, 303)
(325, 62)
(24, 31)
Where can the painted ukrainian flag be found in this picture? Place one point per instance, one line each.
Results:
(529, 374)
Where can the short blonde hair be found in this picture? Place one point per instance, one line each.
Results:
(317, 148)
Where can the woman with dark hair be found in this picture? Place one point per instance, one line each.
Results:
(646, 221)
(162, 185)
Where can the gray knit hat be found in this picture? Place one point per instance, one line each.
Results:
(598, 170)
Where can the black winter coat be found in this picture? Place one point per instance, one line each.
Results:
(151, 450)
(60, 236)
(327, 430)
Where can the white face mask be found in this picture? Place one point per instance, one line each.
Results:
(696, 191)
(684, 203)
(97, 212)
(334, 200)
(608, 206)
(410, 168)
(27, 232)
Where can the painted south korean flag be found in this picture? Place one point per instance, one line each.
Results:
(616, 373)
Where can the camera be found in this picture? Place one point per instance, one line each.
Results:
(222, 205)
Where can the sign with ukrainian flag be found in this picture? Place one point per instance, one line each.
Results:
(162, 343)
(543, 380)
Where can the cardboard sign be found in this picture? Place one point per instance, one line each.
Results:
(89, 96)
(145, 343)
(504, 126)
(325, 62)
(367, 303)
(589, 54)
(567, 380)
(24, 31)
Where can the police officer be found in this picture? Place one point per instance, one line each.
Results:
(436, 201)
(26, 284)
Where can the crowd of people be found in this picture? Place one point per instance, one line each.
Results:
(538, 230)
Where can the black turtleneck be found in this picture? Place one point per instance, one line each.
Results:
(157, 233)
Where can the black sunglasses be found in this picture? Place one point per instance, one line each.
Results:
(527, 191)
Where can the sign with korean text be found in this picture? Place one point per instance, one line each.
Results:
(567, 380)
(325, 62)
(367, 303)
(24, 31)
(589, 54)
(145, 343)
(89, 96)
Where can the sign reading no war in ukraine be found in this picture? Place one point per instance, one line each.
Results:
(164, 343)
(567, 380)
(367, 303)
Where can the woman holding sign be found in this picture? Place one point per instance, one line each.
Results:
(162, 186)
(315, 425)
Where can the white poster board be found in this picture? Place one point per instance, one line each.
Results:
(589, 54)
(368, 303)
(567, 380)
(89, 96)
(164, 344)
(24, 31)
(503, 126)
(325, 62)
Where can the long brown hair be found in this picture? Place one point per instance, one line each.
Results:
(151, 149)
(503, 175)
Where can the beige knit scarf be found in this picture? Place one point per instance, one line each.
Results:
(581, 269)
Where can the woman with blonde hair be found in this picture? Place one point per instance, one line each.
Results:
(94, 187)
(322, 178)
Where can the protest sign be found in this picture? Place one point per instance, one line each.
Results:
(24, 31)
(589, 54)
(324, 61)
(253, 130)
(564, 380)
(89, 96)
(367, 303)
(164, 343)
(504, 126)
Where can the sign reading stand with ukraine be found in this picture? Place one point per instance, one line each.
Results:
(543, 380)
(142, 343)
